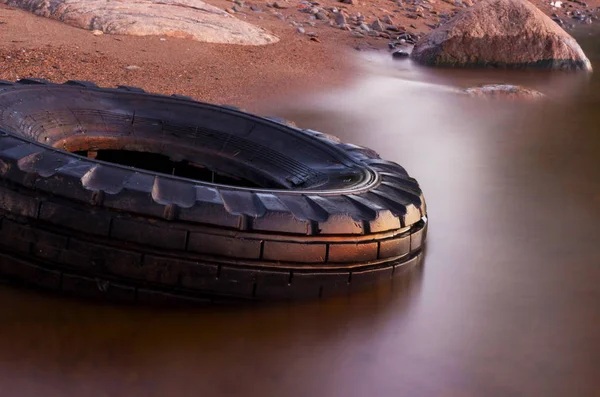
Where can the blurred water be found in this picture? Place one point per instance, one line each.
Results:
(506, 304)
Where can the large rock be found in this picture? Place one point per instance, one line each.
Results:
(501, 33)
(192, 19)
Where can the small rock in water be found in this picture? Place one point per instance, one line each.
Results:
(503, 91)
(301, 30)
(97, 32)
(400, 54)
(132, 67)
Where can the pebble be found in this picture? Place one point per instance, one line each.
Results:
(236, 8)
(400, 54)
(301, 30)
(352, 2)
(340, 19)
(357, 35)
(255, 8)
(321, 16)
(364, 27)
(132, 67)
(279, 6)
(97, 32)
(239, 3)
(376, 25)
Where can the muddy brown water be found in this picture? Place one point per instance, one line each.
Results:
(506, 304)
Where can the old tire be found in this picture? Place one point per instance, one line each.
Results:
(301, 215)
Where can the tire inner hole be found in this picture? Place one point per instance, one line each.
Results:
(163, 164)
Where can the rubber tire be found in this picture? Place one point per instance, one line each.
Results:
(81, 226)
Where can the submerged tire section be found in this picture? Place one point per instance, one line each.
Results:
(121, 194)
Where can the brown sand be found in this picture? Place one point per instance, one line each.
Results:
(38, 47)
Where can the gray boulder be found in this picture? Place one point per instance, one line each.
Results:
(190, 19)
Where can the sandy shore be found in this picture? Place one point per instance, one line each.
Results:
(33, 46)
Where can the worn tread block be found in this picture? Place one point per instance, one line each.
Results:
(209, 209)
(92, 221)
(48, 245)
(321, 284)
(394, 247)
(143, 233)
(16, 237)
(277, 217)
(238, 282)
(81, 254)
(416, 240)
(405, 266)
(136, 195)
(371, 277)
(198, 276)
(18, 204)
(158, 269)
(67, 182)
(294, 252)
(27, 239)
(224, 246)
(97, 288)
(280, 222)
(361, 252)
(270, 284)
(24, 271)
(209, 214)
